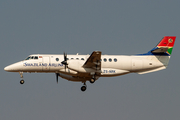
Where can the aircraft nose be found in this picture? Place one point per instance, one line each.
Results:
(9, 68)
(6, 68)
(14, 67)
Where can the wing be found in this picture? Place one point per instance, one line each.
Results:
(94, 61)
(160, 50)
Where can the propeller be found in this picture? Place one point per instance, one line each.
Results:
(65, 60)
(64, 63)
(57, 74)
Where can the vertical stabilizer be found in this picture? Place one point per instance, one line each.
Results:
(164, 48)
(167, 43)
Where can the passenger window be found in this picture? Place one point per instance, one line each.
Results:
(115, 60)
(72, 58)
(105, 59)
(77, 58)
(110, 60)
(82, 58)
(57, 59)
(32, 57)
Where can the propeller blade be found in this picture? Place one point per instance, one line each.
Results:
(65, 60)
(57, 74)
(65, 56)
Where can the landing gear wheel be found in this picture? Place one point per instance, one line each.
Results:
(22, 82)
(92, 80)
(83, 88)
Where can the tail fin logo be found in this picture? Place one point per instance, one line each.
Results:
(170, 40)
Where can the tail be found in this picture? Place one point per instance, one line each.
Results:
(161, 52)
(165, 46)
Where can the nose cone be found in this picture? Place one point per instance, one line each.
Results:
(7, 68)
(14, 67)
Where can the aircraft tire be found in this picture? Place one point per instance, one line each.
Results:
(22, 82)
(83, 88)
(92, 80)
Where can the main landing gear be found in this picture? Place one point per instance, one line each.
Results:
(83, 88)
(22, 81)
(92, 80)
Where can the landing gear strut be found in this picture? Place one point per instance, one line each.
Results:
(83, 88)
(22, 81)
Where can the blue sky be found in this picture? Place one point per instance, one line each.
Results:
(81, 26)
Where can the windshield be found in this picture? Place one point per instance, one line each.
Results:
(31, 57)
(28, 58)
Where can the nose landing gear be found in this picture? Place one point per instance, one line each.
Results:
(83, 88)
(22, 81)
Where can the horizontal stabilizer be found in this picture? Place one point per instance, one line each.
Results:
(160, 50)
(154, 70)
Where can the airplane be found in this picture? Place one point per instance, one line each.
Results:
(83, 68)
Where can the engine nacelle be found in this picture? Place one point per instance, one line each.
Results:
(71, 78)
(68, 71)
(76, 65)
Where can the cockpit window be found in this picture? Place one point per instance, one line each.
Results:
(32, 57)
(36, 57)
(28, 58)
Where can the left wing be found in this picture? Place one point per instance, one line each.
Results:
(94, 61)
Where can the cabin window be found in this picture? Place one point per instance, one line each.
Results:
(57, 59)
(77, 58)
(110, 60)
(115, 60)
(105, 59)
(82, 58)
(72, 58)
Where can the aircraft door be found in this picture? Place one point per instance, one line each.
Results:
(45, 64)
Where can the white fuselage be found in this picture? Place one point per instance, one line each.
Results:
(111, 65)
(82, 68)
